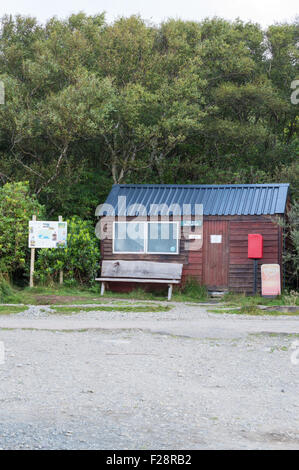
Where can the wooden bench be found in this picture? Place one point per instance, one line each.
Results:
(140, 271)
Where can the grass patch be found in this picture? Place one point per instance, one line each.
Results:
(192, 291)
(121, 308)
(35, 295)
(41, 295)
(136, 294)
(264, 334)
(8, 294)
(243, 300)
(8, 309)
(253, 310)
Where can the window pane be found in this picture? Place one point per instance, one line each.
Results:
(162, 237)
(129, 236)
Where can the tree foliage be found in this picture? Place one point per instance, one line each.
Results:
(16, 208)
(90, 103)
(291, 256)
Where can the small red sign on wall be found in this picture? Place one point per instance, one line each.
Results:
(255, 245)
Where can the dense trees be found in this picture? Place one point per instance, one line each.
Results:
(16, 207)
(89, 104)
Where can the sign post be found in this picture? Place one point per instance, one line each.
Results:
(32, 259)
(61, 271)
(255, 251)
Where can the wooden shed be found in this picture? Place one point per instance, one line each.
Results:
(230, 213)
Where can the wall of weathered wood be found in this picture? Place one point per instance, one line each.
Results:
(236, 268)
(240, 267)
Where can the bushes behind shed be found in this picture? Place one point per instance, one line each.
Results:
(79, 261)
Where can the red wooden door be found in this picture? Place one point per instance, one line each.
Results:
(215, 254)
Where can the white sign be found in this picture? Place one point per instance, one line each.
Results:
(191, 223)
(216, 238)
(193, 236)
(47, 234)
(270, 274)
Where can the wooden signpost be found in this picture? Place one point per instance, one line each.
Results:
(61, 271)
(255, 251)
(32, 259)
(46, 234)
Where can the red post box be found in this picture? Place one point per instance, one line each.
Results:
(255, 245)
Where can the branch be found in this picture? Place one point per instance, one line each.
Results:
(4, 177)
(28, 167)
(60, 158)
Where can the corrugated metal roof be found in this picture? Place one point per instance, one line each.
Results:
(233, 199)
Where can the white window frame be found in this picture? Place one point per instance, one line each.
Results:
(128, 252)
(145, 245)
(177, 238)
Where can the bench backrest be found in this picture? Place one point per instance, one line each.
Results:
(141, 269)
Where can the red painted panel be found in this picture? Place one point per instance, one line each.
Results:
(255, 245)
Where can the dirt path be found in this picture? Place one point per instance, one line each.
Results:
(181, 379)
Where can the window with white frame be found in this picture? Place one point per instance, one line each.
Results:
(128, 237)
(146, 237)
(162, 237)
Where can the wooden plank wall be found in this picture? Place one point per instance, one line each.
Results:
(107, 251)
(107, 254)
(193, 266)
(240, 269)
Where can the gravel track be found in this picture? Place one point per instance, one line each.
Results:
(183, 379)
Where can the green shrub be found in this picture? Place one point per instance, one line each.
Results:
(79, 261)
(250, 310)
(193, 289)
(291, 298)
(7, 294)
(16, 208)
(291, 257)
(5, 290)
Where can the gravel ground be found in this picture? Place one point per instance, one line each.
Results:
(183, 379)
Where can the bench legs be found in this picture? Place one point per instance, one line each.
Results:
(169, 291)
(102, 288)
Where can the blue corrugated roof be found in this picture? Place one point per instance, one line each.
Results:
(232, 199)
